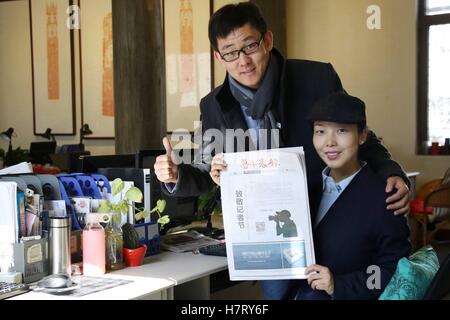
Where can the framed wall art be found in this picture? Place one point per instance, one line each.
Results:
(52, 67)
(96, 63)
(189, 73)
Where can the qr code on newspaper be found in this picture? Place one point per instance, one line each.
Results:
(260, 226)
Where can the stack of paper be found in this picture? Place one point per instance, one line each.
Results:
(24, 167)
(8, 224)
(8, 212)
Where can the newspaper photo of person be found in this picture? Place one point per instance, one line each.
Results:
(285, 225)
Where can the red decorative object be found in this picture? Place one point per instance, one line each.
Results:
(134, 257)
(416, 206)
(40, 169)
(435, 148)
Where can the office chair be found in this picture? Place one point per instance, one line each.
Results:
(419, 212)
(440, 286)
(434, 194)
(439, 198)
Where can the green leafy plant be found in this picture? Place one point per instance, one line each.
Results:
(204, 199)
(132, 195)
(16, 156)
(159, 209)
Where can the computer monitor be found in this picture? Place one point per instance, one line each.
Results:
(147, 158)
(119, 166)
(181, 210)
(71, 148)
(40, 151)
(91, 164)
(68, 162)
(140, 179)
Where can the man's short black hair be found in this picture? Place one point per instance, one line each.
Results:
(234, 16)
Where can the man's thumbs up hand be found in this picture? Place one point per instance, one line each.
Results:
(168, 146)
(165, 169)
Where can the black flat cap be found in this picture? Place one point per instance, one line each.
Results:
(339, 107)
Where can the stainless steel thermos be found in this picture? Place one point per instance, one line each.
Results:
(59, 245)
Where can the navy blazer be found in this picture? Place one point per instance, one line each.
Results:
(357, 232)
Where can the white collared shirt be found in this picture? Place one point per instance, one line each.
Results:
(253, 126)
(331, 191)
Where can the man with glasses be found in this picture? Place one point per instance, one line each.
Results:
(263, 90)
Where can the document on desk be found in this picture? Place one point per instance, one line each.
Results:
(23, 167)
(266, 215)
(186, 241)
(9, 226)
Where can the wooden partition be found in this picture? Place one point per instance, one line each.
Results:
(139, 76)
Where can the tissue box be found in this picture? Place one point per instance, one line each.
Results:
(31, 258)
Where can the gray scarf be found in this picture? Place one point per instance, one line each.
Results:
(257, 104)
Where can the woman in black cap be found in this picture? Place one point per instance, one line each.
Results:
(358, 242)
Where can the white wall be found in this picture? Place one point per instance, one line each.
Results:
(379, 66)
(15, 72)
(16, 102)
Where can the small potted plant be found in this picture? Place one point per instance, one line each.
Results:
(133, 251)
(129, 234)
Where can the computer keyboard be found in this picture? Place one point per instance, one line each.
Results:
(218, 249)
(8, 290)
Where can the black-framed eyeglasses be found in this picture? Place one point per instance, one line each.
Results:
(247, 50)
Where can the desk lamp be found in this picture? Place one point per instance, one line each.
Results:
(84, 131)
(7, 136)
(48, 135)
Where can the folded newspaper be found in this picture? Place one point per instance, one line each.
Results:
(186, 241)
(266, 215)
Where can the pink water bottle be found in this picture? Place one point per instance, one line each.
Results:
(94, 244)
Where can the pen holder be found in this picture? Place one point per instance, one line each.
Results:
(149, 235)
(31, 258)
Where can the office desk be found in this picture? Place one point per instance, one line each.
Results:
(142, 288)
(164, 276)
(189, 272)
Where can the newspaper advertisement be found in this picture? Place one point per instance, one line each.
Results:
(266, 215)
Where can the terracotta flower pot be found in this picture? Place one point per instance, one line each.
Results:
(134, 257)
